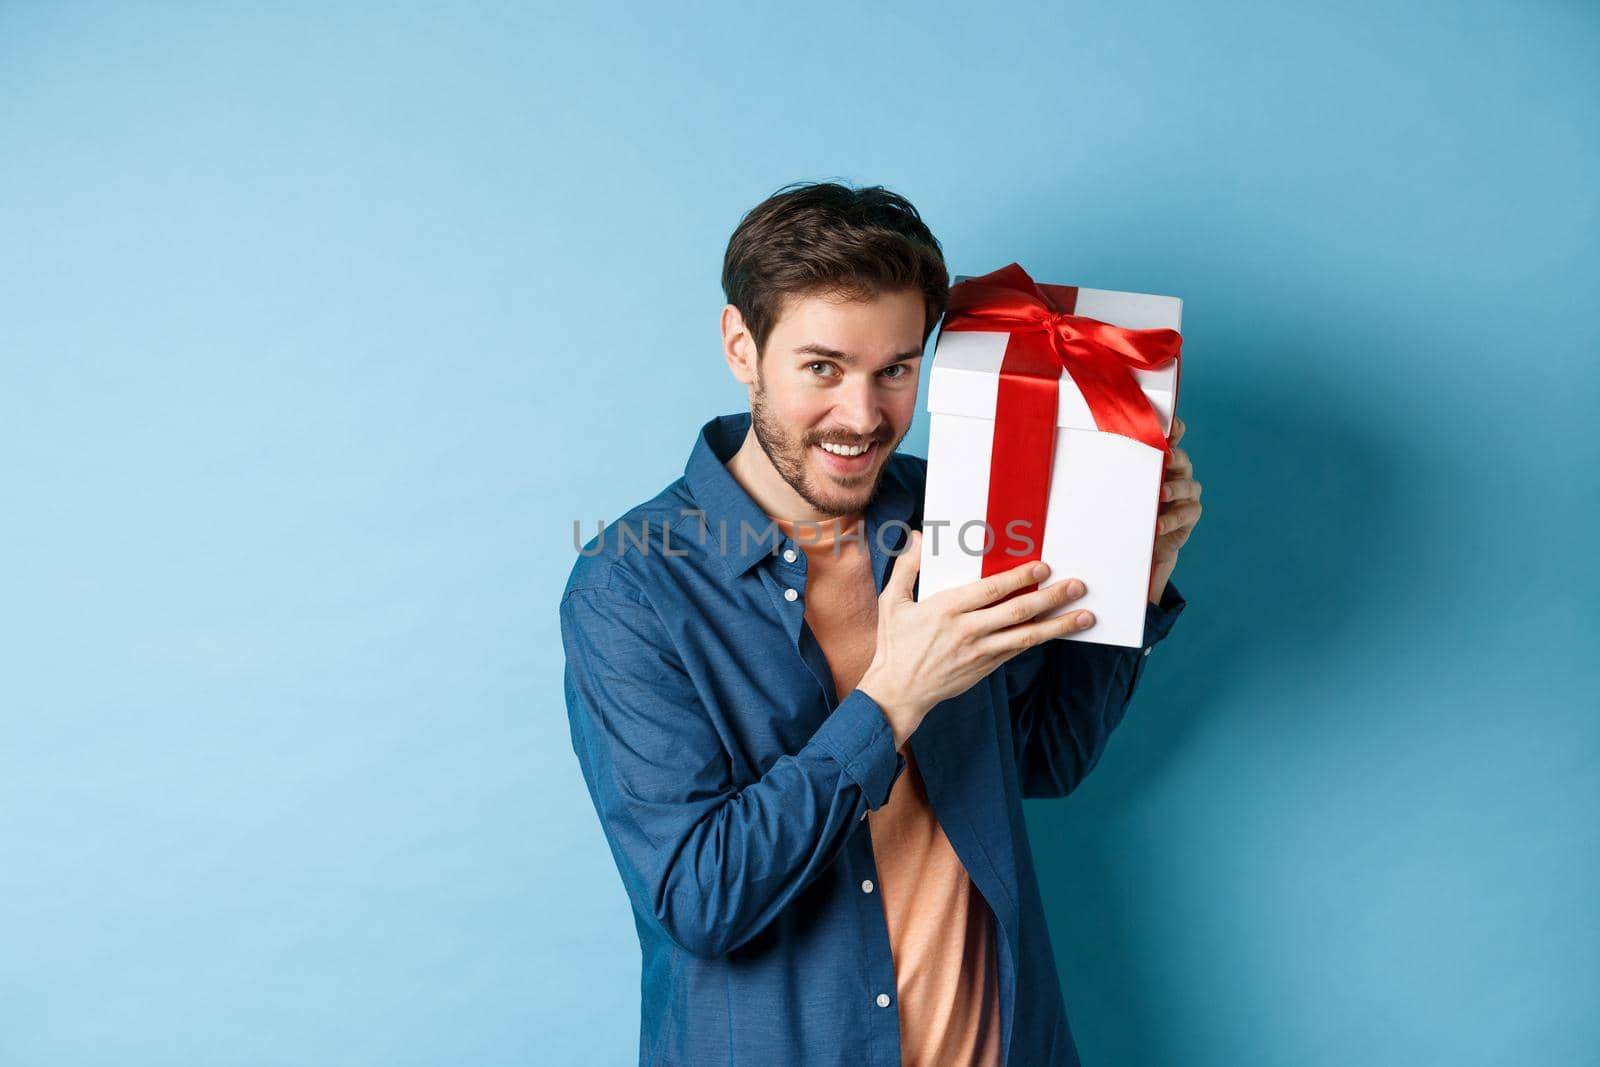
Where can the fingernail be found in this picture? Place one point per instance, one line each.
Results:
(1074, 588)
(1040, 569)
(1085, 620)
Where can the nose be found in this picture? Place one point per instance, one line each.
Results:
(857, 410)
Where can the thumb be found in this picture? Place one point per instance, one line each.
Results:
(906, 566)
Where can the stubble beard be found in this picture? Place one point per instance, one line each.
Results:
(791, 460)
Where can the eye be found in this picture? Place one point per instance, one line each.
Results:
(901, 367)
(819, 363)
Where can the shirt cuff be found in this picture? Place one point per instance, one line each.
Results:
(857, 734)
(1158, 618)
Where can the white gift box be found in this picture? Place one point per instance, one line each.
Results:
(1104, 487)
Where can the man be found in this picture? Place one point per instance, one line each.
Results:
(810, 781)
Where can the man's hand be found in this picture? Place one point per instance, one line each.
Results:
(936, 648)
(1178, 514)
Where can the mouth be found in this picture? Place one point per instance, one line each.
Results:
(840, 464)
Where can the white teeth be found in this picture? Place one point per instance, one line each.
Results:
(843, 450)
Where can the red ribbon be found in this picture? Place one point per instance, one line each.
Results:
(1045, 338)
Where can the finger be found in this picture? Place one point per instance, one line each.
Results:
(1177, 430)
(1015, 639)
(906, 565)
(995, 587)
(1183, 513)
(1167, 545)
(1022, 609)
(1178, 464)
(1180, 489)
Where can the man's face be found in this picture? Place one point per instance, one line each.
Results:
(839, 372)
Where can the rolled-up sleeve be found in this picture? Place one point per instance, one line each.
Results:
(1066, 698)
(710, 860)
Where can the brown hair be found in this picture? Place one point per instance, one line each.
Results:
(822, 237)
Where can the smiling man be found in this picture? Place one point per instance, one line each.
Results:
(810, 781)
(825, 421)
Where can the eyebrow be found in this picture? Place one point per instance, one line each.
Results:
(845, 357)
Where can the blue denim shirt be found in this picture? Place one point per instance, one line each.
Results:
(733, 786)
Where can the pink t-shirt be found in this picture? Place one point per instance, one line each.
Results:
(941, 931)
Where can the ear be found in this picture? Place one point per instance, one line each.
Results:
(738, 347)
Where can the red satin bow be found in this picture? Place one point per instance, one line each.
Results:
(1045, 338)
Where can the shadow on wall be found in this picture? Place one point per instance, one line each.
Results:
(1300, 511)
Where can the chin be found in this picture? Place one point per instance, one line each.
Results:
(845, 495)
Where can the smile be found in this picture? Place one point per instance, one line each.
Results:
(848, 459)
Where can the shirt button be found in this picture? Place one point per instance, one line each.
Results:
(790, 594)
(883, 1000)
(863, 817)
(1147, 651)
(866, 885)
(789, 555)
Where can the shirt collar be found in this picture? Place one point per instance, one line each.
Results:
(726, 503)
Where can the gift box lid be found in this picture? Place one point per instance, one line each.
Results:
(965, 379)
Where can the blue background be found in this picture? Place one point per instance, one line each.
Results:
(320, 329)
